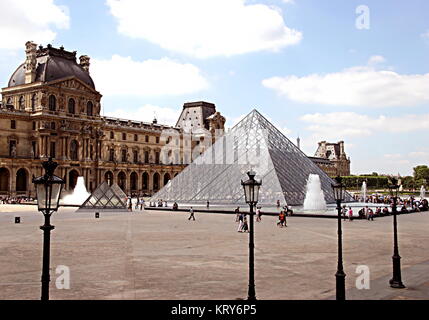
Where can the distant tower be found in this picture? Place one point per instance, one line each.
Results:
(298, 143)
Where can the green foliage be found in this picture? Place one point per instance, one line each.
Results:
(421, 173)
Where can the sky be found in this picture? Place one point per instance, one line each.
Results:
(331, 70)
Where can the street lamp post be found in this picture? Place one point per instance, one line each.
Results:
(251, 194)
(396, 281)
(340, 276)
(48, 191)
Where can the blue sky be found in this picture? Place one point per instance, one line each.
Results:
(304, 64)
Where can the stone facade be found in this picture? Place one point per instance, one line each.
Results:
(331, 158)
(52, 109)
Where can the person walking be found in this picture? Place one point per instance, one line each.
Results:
(350, 214)
(141, 204)
(237, 214)
(130, 204)
(258, 214)
(370, 215)
(245, 225)
(208, 205)
(191, 211)
(240, 222)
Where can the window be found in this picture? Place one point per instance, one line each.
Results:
(157, 157)
(33, 102)
(135, 156)
(157, 139)
(52, 103)
(34, 125)
(71, 106)
(21, 103)
(146, 138)
(112, 135)
(74, 150)
(136, 137)
(13, 124)
(112, 155)
(124, 155)
(89, 108)
(53, 125)
(12, 148)
(52, 149)
(146, 157)
(9, 104)
(124, 136)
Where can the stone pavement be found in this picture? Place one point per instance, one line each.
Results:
(162, 255)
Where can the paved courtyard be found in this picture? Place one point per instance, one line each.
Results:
(162, 255)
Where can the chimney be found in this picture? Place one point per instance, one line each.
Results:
(84, 62)
(30, 62)
(298, 143)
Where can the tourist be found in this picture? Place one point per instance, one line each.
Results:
(281, 219)
(245, 225)
(130, 204)
(175, 206)
(165, 204)
(141, 204)
(344, 212)
(385, 211)
(350, 214)
(278, 203)
(258, 214)
(370, 215)
(237, 214)
(240, 222)
(191, 211)
(137, 203)
(404, 209)
(208, 204)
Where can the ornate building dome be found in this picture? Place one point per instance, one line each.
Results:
(53, 64)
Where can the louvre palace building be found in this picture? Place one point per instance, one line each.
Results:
(51, 108)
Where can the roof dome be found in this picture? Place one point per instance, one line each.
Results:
(53, 64)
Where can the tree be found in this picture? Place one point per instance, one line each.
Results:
(421, 173)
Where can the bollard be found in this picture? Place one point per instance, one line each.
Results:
(17, 219)
(97, 215)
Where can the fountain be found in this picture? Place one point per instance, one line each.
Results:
(422, 192)
(314, 198)
(79, 194)
(363, 191)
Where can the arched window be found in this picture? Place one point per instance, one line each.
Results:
(71, 106)
(21, 103)
(74, 150)
(9, 104)
(33, 102)
(52, 103)
(89, 108)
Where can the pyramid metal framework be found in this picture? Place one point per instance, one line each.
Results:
(253, 143)
(106, 197)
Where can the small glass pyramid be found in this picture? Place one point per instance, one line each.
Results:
(253, 143)
(106, 197)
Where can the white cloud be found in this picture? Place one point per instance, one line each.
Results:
(339, 125)
(358, 86)
(204, 28)
(425, 35)
(376, 59)
(124, 76)
(147, 113)
(26, 20)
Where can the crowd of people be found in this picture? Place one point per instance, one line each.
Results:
(15, 200)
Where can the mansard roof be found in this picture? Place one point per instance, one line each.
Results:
(53, 64)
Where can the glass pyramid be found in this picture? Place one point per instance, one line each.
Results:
(106, 197)
(253, 143)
